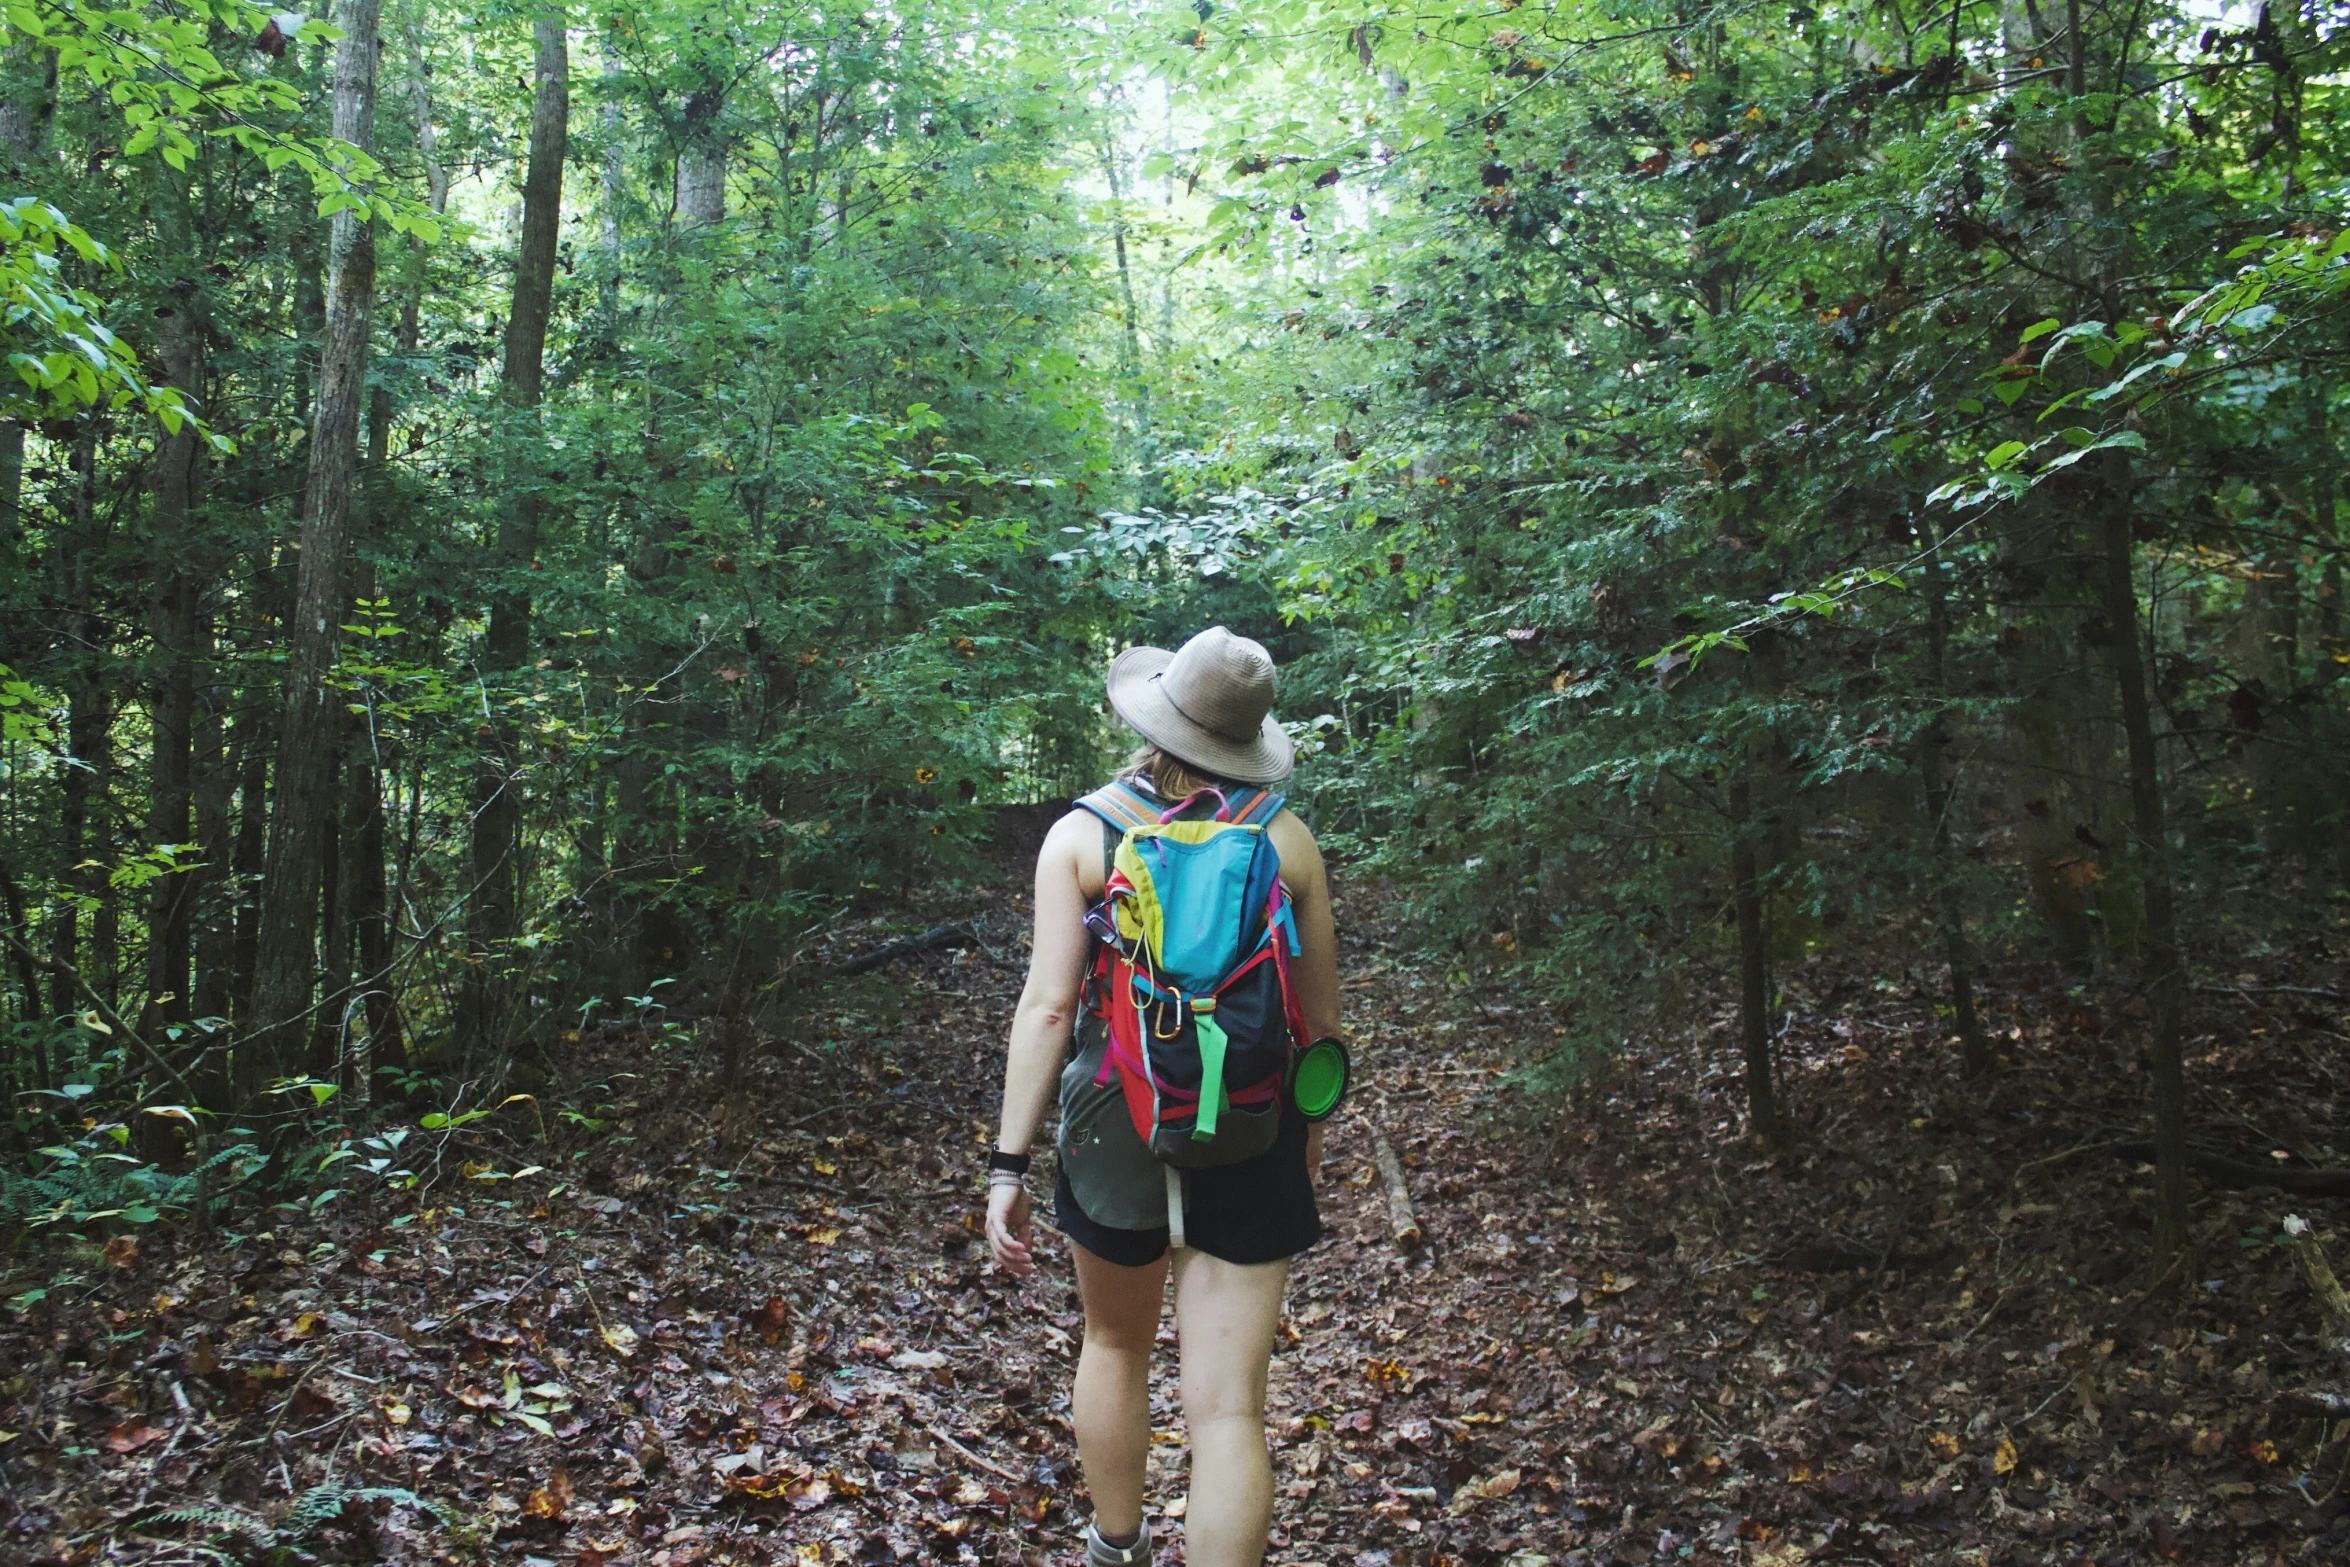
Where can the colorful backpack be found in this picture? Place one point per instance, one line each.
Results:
(1191, 973)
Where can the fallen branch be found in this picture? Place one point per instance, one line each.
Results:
(937, 936)
(2241, 1173)
(2324, 1288)
(2274, 990)
(1402, 1223)
(2078, 1150)
(2322, 1402)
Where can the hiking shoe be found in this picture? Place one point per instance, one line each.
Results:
(1101, 1553)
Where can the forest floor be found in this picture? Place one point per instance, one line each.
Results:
(756, 1324)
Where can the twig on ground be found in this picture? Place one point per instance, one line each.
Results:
(935, 937)
(2074, 1152)
(1402, 1224)
(986, 1464)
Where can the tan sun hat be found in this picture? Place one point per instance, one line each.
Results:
(1209, 703)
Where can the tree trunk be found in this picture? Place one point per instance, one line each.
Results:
(2166, 982)
(89, 730)
(252, 744)
(312, 720)
(497, 815)
(1754, 1002)
(24, 112)
(174, 618)
(701, 162)
(370, 914)
(334, 945)
(1974, 1047)
(216, 776)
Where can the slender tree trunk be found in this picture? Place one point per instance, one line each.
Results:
(253, 745)
(327, 1031)
(28, 974)
(89, 731)
(216, 778)
(371, 914)
(1974, 1046)
(24, 111)
(701, 161)
(1754, 1002)
(2166, 981)
(1137, 390)
(497, 815)
(287, 970)
(175, 616)
(2324, 498)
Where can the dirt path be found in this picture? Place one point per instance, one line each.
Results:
(757, 1325)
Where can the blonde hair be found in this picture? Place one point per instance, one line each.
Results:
(1170, 777)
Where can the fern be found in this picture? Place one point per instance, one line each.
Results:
(314, 1510)
(322, 1505)
(214, 1519)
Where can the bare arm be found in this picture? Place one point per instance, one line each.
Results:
(1041, 1022)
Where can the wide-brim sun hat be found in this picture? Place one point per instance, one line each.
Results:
(1209, 704)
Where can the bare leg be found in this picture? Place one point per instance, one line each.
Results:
(1226, 1313)
(1111, 1405)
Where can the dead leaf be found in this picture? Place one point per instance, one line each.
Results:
(133, 1434)
(1495, 1486)
(313, 1402)
(1944, 1443)
(1658, 1438)
(2003, 1457)
(918, 1359)
(621, 1338)
(122, 1251)
(770, 1320)
(552, 1500)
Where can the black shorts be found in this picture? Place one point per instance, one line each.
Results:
(1259, 1210)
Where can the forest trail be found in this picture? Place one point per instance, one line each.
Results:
(759, 1327)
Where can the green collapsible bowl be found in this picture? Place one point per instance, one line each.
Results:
(1318, 1081)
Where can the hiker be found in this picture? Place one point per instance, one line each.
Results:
(1185, 1085)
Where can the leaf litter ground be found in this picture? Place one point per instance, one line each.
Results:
(755, 1323)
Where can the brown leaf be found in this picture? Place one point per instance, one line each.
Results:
(313, 1402)
(133, 1434)
(771, 1319)
(122, 1251)
(552, 1500)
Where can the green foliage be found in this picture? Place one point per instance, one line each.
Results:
(93, 1180)
(1653, 444)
